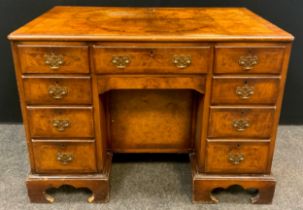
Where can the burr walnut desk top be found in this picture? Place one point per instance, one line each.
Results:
(95, 81)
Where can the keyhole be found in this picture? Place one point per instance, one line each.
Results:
(59, 111)
(152, 53)
(245, 82)
(62, 146)
(250, 51)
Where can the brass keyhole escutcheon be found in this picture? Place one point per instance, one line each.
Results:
(53, 60)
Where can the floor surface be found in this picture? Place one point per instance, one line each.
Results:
(151, 182)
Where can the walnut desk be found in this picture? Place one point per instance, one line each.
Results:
(97, 81)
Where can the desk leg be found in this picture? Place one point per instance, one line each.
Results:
(98, 184)
(204, 184)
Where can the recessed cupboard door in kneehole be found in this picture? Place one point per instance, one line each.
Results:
(150, 120)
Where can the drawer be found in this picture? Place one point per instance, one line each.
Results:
(243, 122)
(249, 59)
(237, 157)
(53, 58)
(245, 90)
(60, 122)
(151, 59)
(57, 90)
(64, 157)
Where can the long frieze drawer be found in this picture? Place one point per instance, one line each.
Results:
(57, 90)
(61, 122)
(53, 58)
(236, 157)
(64, 157)
(243, 122)
(248, 59)
(151, 59)
(245, 90)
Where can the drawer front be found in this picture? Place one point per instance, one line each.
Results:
(245, 90)
(236, 157)
(115, 59)
(64, 157)
(57, 90)
(61, 122)
(240, 122)
(53, 59)
(248, 59)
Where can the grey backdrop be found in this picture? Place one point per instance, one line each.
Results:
(287, 14)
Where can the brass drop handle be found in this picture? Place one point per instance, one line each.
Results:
(64, 158)
(248, 62)
(61, 125)
(121, 62)
(53, 60)
(245, 91)
(235, 158)
(181, 61)
(57, 92)
(240, 125)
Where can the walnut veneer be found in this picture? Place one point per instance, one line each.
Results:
(95, 81)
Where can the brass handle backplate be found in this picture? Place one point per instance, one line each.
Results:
(241, 125)
(235, 158)
(182, 61)
(64, 158)
(245, 91)
(121, 62)
(61, 125)
(53, 60)
(248, 62)
(57, 92)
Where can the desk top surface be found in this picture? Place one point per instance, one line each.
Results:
(149, 24)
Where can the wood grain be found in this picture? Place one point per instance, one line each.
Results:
(269, 58)
(80, 122)
(150, 121)
(150, 24)
(147, 82)
(98, 184)
(205, 184)
(146, 59)
(33, 58)
(255, 157)
(77, 89)
(47, 153)
(222, 118)
(205, 81)
(265, 90)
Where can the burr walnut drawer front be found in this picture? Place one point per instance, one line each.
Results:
(245, 90)
(246, 59)
(236, 157)
(57, 90)
(241, 122)
(64, 157)
(61, 122)
(151, 59)
(53, 58)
